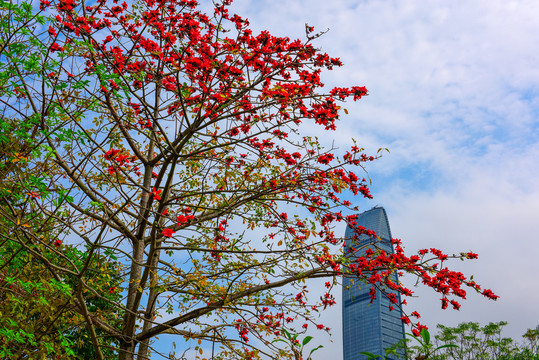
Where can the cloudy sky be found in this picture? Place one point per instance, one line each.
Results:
(454, 96)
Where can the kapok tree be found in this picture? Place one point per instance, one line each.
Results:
(174, 142)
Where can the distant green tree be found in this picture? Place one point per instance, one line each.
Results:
(474, 342)
(532, 339)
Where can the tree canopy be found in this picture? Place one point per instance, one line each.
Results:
(159, 180)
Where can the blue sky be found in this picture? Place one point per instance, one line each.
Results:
(454, 96)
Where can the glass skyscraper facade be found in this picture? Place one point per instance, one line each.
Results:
(369, 326)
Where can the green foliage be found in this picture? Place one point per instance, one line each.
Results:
(40, 277)
(388, 351)
(38, 316)
(425, 350)
(472, 341)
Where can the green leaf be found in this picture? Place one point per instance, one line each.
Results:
(446, 346)
(425, 335)
(306, 340)
(418, 339)
(370, 355)
(286, 333)
(313, 350)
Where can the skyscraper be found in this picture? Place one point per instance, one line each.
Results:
(369, 326)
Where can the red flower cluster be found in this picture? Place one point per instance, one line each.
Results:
(327, 300)
(55, 47)
(325, 159)
(184, 219)
(109, 155)
(242, 330)
(489, 294)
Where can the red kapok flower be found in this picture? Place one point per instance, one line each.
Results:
(489, 294)
(55, 47)
(168, 232)
(455, 304)
(156, 193)
(405, 319)
(109, 155)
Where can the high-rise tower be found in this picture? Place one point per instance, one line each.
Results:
(369, 326)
